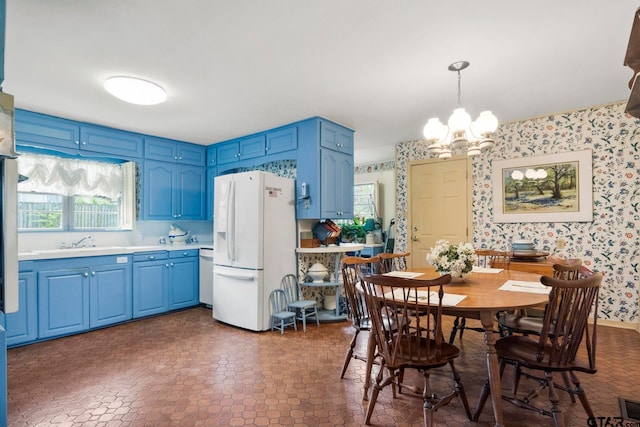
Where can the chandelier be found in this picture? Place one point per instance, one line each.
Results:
(460, 132)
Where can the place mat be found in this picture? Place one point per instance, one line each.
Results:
(448, 300)
(521, 286)
(403, 274)
(478, 269)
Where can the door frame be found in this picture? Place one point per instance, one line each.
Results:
(469, 178)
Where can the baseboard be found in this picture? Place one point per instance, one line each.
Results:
(617, 324)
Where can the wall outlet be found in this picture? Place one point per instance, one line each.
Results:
(561, 243)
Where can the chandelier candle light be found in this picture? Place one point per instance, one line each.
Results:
(461, 132)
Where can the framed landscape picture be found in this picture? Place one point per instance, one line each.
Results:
(549, 188)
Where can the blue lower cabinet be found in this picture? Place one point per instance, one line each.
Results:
(110, 294)
(63, 301)
(22, 326)
(150, 287)
(183, 281)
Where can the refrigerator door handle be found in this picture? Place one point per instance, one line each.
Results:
(238, 276)
(231, 222)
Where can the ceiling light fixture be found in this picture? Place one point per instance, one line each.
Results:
(461, 132)
(135, 91)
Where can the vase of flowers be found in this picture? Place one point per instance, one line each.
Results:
(456, 260)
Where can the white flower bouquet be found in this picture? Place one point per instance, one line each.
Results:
(456, 260)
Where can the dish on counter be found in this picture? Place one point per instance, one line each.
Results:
(528, 254)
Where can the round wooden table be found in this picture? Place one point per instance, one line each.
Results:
(483, 300)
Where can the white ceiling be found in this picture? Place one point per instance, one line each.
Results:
(380, 67)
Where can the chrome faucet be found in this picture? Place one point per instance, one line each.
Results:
(80, 243)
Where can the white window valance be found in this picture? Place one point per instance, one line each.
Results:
(70, 177)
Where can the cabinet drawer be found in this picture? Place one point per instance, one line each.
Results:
(183, 253)
(149, 256)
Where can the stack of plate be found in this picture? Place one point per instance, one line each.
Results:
(523, 247)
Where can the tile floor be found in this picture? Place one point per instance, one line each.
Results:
(185, 369)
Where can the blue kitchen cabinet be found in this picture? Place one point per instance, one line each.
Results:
(76, 294)
(211, 175)
(174, 151)
(282, 140)
(183, 279)
(48, 132)
(326, 151)
(110, 290)
(22, 326)
(104, 140)
(63, 301)
(240, 149)
(336, 137)
(150, 283)
(172, 191)
(211, 155)
(336, 196)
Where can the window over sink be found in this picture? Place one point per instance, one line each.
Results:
(70, 194)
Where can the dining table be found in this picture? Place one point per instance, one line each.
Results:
(483, 299)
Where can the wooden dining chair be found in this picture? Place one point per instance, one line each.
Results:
(555, 349)
(393, 262)
(487, 258)
(418, 344)
(352, 269)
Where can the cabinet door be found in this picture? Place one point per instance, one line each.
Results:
(110, 294)
(158, 197)
(63, 301)
(40, 130)
(211, 155)
(282, 140)
(190, 193)
(160, 149)
(336, 192)
(183, 288)
(22, 326)
(211, 175)
(251, 147)
(227, 152)
(111, 141)
(191, 154)
(336, 137)
(150, 288)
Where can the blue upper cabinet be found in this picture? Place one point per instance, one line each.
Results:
(336, 137)
(282, 140)
(241, 149)
(211, 155)
(48, 132)
(174, 151)
(325, 165)
(110, 141)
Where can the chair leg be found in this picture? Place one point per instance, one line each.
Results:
(281, 326)
(484, 395)
(454, 330)
(517, 373)
(374, 394)
(581, 395)
(567, 384)
(463, 324)
(558, 419)
(427, 406)
(460, 389)
(349, 354)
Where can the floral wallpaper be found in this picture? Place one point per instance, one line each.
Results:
(610, 243)
(374, 167)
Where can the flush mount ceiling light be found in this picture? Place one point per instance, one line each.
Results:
(461, 132)
(135, 91)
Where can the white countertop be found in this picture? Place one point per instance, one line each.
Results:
(345, 247)
(100, 250)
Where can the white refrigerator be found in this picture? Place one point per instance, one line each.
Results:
(254, 235)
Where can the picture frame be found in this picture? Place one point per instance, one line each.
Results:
(547, 188)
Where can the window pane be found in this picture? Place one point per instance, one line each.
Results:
(95, 212)
(37, 211)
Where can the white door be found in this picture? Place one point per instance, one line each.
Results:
(238, 220)
(439, 205)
